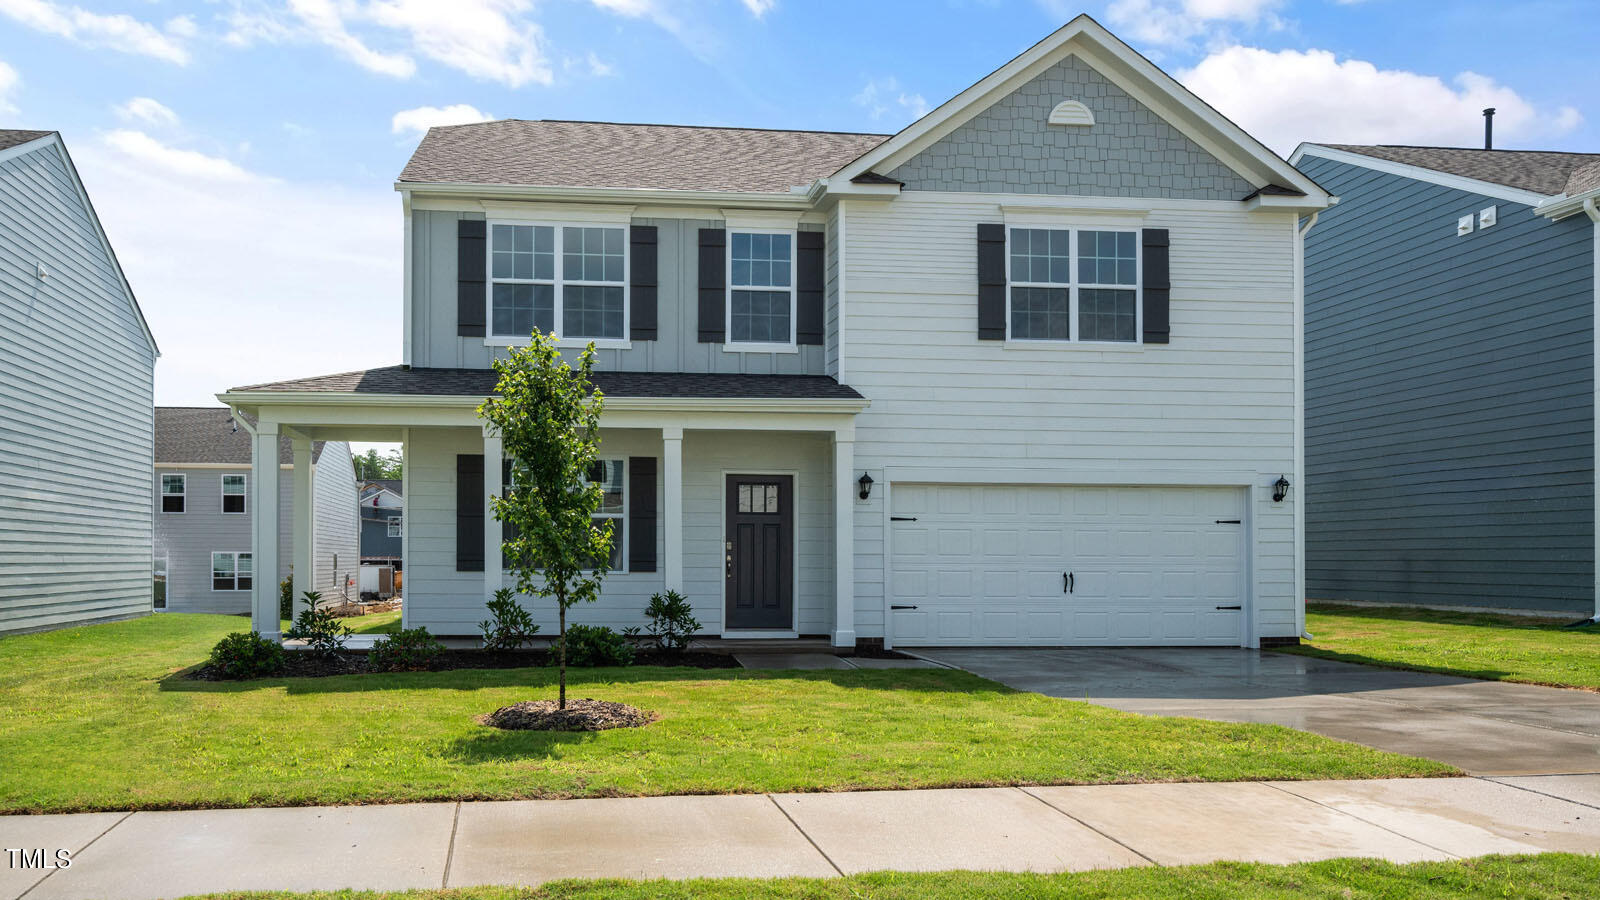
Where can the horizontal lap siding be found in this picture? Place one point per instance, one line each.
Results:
(337, 520)
(76, 412)
(1219, 398)
(1449, 399)
(188, 539)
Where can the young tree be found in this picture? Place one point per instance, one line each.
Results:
(547, 415)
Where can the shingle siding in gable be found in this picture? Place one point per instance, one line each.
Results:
(1128, 152)
(76, 412)
(1449, 400)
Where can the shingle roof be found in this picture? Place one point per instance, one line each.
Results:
(205, 434)
(612, 155)
(12, 137)
(481, 383)
(1541, 171)
(393, 485)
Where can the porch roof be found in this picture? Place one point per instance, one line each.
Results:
(420, 382)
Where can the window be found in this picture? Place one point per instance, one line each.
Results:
(233, 493)
(1072, 285)
(158, 591)
(231, 571)
(582, 288)
(394, 526)
(761, 288)
(172, 493)
(613, 505)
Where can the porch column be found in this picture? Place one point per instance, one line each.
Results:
(844, 547)
(672, 504)
(305, 576)
(264, 531)
(493, 570)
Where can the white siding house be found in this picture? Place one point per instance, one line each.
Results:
(77, 366)
(1023, 373)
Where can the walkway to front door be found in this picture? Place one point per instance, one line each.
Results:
(759, 551)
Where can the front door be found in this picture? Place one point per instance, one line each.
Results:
(758, 551)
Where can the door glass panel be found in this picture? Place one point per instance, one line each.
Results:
(758, 498)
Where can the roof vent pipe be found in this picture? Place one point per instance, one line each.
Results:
(1488, 128)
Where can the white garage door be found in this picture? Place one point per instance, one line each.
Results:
(1052, 565)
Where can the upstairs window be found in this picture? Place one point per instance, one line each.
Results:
(173, 488)
(576, 290)
(1073, 285)
(761, 296)
(233, 493)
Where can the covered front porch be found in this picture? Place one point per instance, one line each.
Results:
(737, 491)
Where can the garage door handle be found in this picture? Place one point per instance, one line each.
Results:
(897, 606)
(1227, 521)
(1230, 607)
(902, 518)
(1068, 581)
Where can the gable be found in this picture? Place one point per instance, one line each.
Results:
(1129, 151)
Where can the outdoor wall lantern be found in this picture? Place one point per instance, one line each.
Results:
(866, 485)
(1280, 489)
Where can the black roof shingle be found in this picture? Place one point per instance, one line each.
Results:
(481, 383)
(1541, 171)
(206, 434)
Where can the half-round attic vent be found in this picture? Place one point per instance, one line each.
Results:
(1071, 112)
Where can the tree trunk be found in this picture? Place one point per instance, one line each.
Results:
(561, 650)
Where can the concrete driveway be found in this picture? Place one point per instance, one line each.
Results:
(1483, 727)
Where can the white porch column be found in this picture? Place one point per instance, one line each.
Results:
(844, 552)
(672, 504)
(493, 571)
(264, 531)
(305, 575)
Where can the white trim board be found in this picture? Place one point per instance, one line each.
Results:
(1419, 173)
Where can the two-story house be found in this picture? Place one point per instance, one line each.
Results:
(207, 512)
(77, 380)
(1025, 372)
(382, 510)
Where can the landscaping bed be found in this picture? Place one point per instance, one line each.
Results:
(302, 664)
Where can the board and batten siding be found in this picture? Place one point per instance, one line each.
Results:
(76, 411)
(1449, 399)
(1215, 406)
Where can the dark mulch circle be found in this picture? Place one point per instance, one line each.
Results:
(580, 715)
(300, 664)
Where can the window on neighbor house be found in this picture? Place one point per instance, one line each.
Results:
(233, 493)
(159, 582)
(582, 287)
(173, 488)
(608, 473)
(761, 296)
(1073, 285)
(394, 526)
(231, 571)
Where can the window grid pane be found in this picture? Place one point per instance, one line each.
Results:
(1040, 314)
(760, 317)
(172, 484)
(1106, 314)
(1107, 257)
(591, 254)
(762, 260)
(1041, 255)
(523, 252)
(591, 311)
(233, 484)
(519, 308)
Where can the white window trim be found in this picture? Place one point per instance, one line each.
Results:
(1072, 286)
(396, 527)
(163, 495)
(729, 345)
(619, 531)
(235, 554)
(511, 340)
(222, 493)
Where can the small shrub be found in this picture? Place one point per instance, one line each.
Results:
(407, 650)
(323, 632)
(286, 597)
(246, 654)
(672, 621)
(509, 626)
(597, 645)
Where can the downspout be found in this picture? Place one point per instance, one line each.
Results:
(1593, 213)
(1300, 417)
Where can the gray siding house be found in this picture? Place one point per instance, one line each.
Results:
(1450, 377)
(77, 374)
(382, 521)
(205, 501)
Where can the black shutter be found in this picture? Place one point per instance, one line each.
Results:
(642, 281)
(471, 254)
(808, 287)
(713, 284)
(469, 512)
(641, 514)
(1157, 284)
(991, 282)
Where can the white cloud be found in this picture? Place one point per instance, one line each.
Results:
(418, 121)
(118, 31)
(698, 40)
(882, 96)
(599, 67)
(9, 82)
(246, 277)
(1287, 96)
(148, 111)
(759, 8)
(324, 22)
(1180, 22)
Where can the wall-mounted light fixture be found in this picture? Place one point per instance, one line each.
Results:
(1280, 489)
(866, 485)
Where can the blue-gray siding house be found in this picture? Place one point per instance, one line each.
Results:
(77, 375)
(1450, 355)
(382, 507)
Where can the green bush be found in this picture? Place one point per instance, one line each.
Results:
(246, 654)
(286, 597)
(672, 621)
(407, 650)
(323, 632)
(597, 645)
(509, 626)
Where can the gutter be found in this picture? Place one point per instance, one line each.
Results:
(1561, 207)
(616, 404)
(749, 199)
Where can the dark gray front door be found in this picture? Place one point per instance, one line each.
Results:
(758, 551)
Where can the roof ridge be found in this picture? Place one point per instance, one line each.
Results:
(1595, 153)
(678, 125)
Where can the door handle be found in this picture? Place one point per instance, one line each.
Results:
(1068, 580)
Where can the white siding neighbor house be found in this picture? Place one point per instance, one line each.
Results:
(1023, 373)
(205, 501)
(77, 380)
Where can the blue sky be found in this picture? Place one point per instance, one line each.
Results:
(242, 154)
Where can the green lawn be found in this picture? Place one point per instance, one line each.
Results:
(94, 718)
(1479, 645)
(375, 623)
(1555, 876)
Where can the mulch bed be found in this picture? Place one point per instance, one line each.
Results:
(580, 715)
(300, 664)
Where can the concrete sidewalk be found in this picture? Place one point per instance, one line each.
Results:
(431, 845)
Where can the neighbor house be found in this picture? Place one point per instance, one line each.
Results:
(1025, 372)
(1450, 377)
(77, 376)
(206, 513)
(382, 521)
